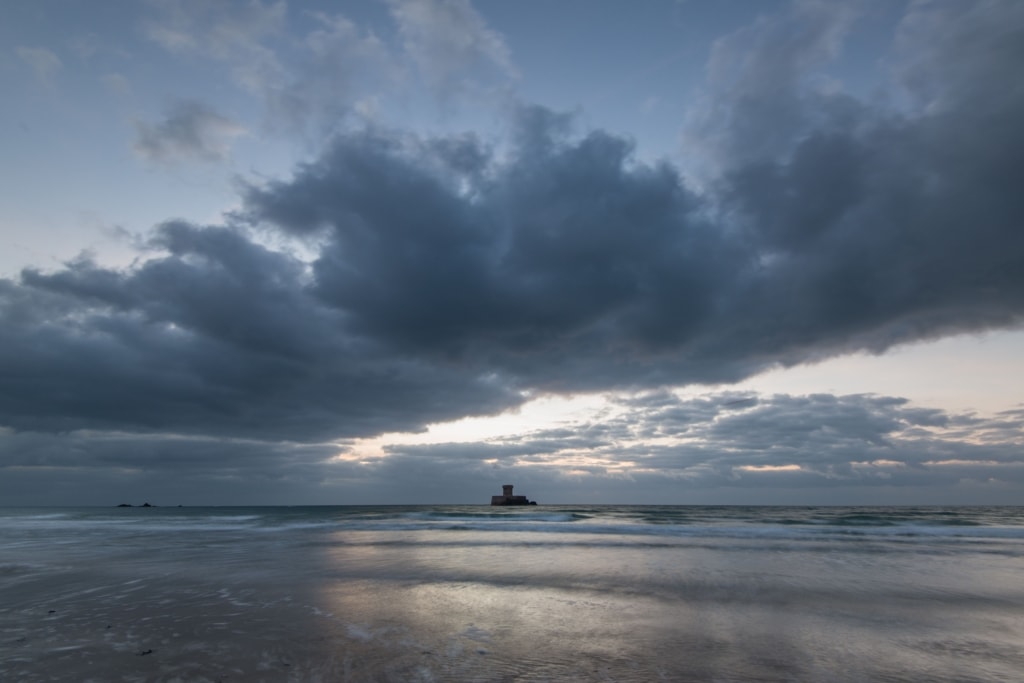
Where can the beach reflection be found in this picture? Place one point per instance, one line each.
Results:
(477, 611)
(471, 609)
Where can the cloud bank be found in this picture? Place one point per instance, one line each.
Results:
(717, 448)
(453, 277)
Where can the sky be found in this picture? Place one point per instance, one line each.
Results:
(407, 251)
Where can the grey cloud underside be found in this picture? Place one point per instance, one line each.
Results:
(675, 450)
(216, 338)
(449, 276)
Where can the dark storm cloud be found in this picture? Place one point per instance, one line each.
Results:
(449, 276)
(566, 264)
(538, 267)
(219, 336)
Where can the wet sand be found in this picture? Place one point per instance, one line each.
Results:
(406, 596)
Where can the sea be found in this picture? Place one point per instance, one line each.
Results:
(538, 593)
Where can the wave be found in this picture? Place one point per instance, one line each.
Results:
(475, 516)
(785, 523)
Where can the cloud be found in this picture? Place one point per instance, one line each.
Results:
(718, 447)
(332, 73)
(237, 34)
(104, 468)
(116, 83)
(568, 265)
(43, 62)
(191, 131)
(342, 68)
(764, 86)
(218, 337)
(716, 441)
(336, 66)
(450, 44)
(942, 49)
(451, 277)
(559, 264)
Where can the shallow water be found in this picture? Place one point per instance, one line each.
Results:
(546, 593)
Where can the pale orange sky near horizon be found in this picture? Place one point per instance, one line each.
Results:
(964, 374)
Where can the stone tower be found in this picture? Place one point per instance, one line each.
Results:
(506, 497)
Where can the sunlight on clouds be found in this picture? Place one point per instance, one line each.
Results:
(878, 463)
(769, 468)
(966, 373)
(576, 461)
(541, 413)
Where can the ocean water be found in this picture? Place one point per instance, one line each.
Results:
(546, 593)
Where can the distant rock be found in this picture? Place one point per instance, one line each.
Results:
(125, 505)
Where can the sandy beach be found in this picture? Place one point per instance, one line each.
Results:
(464, 594)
